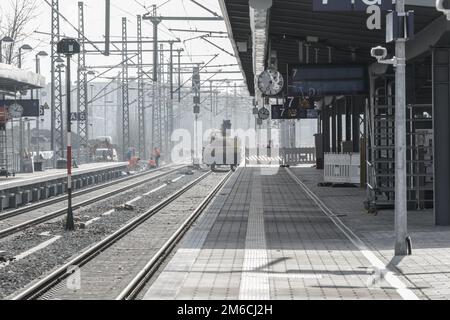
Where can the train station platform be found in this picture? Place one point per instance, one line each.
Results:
(23, 179)
(280, 236)
(24, 188)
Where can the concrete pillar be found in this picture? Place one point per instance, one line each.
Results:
(441, 119)
(339, 112)
(333, 127)
(326, 128)
(357, 104)
(348, 118)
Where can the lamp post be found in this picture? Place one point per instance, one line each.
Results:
(5, 40)
(69, 47)
(23, 47)
(38, 65)
(38, 120)
(21, 125)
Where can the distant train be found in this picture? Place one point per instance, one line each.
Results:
(222, 150)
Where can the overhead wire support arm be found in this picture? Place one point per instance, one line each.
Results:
(69, 23)
(198, 31)
(218, 47)
(204, 36)
(205, 65)
(185, 18)
(205, 8)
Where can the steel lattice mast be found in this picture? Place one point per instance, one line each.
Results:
(141, 101)
(161, 103)
(82, 128)
(57, 124)
(170, 106)
(156, 113)
(125, 96)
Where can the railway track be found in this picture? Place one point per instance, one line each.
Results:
(34, 210)
(140, 261)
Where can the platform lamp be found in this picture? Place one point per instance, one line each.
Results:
(23, 47)
(4, 40)
(38, 120)
(38, 65)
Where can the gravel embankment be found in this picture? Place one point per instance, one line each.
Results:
(18, 274)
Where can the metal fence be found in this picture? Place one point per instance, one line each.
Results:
(342, 168)
(274, 156)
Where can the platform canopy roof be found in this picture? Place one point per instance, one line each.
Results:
(13, 79)
(289, 22)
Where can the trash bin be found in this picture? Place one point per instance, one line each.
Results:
(38, 166)
(61, 164)
(27, 166)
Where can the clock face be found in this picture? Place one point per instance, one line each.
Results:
(264, 113)
(15, 110)
(270, 82)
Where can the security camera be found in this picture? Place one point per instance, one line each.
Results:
(379, 53)
(444, 7)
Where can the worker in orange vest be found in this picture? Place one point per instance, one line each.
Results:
(133, 163)
(156, 155)
(152, 163)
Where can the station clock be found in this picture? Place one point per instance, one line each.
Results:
(270, 82)
(263, 113)
(15, 110)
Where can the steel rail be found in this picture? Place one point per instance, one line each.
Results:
(141, 279)
(44, 218)
(42, 286)
(41, 204)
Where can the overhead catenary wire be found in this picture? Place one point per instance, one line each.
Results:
(75, 28)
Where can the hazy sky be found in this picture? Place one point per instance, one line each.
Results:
(94, 29)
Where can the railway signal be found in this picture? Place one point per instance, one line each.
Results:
(69, 47)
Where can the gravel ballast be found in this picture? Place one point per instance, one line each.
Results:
(16, 275)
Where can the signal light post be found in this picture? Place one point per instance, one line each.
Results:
(69, 47)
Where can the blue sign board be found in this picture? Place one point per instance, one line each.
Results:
(324, 80)
(29, 107)
(292, 112)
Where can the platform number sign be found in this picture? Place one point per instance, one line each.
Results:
(82, 116)
(77, 116)
(73, 116)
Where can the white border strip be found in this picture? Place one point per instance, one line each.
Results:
(389, 276)
(154, 190)
(178, 179)
(29, 252)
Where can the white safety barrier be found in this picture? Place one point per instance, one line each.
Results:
(342, 168)
(289, 156)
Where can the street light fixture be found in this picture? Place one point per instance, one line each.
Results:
(23, 47)
(38, 71)
(38, 66)
(5, 40)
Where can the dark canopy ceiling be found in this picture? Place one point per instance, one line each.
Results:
(292, 21)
